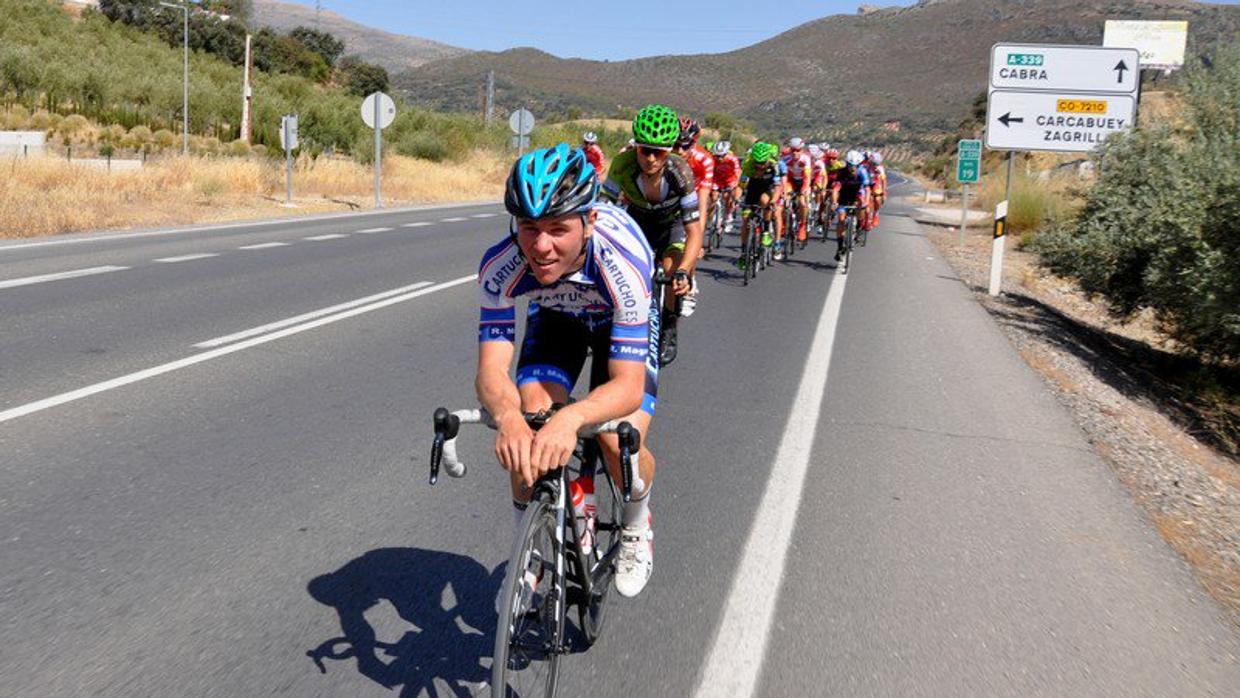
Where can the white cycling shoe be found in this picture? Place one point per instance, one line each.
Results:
(635, 561)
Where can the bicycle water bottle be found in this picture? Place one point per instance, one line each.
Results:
(585, 510)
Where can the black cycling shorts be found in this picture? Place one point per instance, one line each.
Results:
(756, 188)
(556, 345)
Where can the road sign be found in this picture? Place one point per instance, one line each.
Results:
(1161, 44)
(387, 110)
(288, 132)
(520, 142)
(1059, 68)
(968, 161)
(521, 122)
(1063, 122)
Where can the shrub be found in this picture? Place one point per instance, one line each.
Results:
(1158, 229)
(164, 138)
(239, 148)
(141, 134)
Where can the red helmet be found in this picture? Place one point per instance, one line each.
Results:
(832, 154)
(689, 131)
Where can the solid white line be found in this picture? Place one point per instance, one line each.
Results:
(419, 224)
(26, 281)
(735, 661)
(89, 390)
(375, 230)
(329, 236)
(261, 329)
(484, 215)
(77, 238)
(263, 246)
(186, 258)
(454, 219)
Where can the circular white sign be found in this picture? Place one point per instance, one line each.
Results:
(387, 110)
(521, 122)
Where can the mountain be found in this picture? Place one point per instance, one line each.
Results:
(395, 52)
(892, 75)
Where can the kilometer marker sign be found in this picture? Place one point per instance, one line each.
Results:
(1071, 123)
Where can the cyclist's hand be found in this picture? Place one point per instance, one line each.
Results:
(553, 445)
(680, 282)
(513, 441)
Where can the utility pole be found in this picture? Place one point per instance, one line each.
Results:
(185, 96)
(246, 95)
(490, 112)
(318, 12)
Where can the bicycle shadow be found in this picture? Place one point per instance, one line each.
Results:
(448, 599)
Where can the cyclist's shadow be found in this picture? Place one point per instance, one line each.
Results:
(450, 601)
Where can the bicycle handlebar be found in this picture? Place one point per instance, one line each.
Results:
(448, 425)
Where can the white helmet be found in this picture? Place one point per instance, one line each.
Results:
(825, 146)
(854, 158)
(720, 148)
(814, 150)
(590, 137)
(796, 143)
(876, 158)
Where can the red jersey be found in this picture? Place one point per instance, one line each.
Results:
(727, 171)
(595, 155)
(703, 164)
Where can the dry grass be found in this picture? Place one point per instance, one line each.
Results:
(46, 196)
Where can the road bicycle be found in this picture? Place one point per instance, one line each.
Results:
(754, 254)
(662, 286)
(715, 222)
(850, 235)
(548, 569)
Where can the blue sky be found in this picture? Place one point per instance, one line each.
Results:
(594, 30)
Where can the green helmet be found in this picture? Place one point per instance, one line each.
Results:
(656, 125)
(764, 152)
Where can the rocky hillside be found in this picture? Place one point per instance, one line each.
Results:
(395, 52)
(889, 75)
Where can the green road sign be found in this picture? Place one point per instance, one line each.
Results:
(968, 161)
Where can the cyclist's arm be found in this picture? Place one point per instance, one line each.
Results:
(496, 391)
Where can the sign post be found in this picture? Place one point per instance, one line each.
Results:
(521, 122)
(1055, 98)
(968, 171)
(289, 140)
(378, 111)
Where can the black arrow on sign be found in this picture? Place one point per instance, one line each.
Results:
(1120, 68)
(1007, 119)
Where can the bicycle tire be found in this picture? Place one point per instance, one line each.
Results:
(850, 232)
(593, 612)
(536, 662)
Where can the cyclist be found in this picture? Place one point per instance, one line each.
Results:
(658, 190)
(762, 176)
(879, 173)
(727, 180)
(818, 180)
(589, 145)
(703, 166)
(798, 180)
(851, 188)
(586, 269)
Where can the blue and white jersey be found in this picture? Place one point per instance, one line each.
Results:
(612, 288)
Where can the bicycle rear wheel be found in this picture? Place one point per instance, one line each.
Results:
(529, 636)
(850, 233)
(606, 534)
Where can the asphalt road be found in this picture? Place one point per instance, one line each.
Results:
(250, 515)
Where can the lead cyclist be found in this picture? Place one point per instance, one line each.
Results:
(586, 269)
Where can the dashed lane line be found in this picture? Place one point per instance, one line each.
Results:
(43, 278)
(454, 219)
(187, 257)
(369, 231)
(484, 215)
(329, 236)
(263, 246)
(171, 366)
(418, 224)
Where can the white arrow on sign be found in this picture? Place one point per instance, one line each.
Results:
(1063, 122)
(1064, 68)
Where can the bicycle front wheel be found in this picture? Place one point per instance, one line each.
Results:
(529, 636)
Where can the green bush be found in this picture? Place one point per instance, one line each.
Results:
(1160, 228)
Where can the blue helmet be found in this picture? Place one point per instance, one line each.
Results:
(551, 182)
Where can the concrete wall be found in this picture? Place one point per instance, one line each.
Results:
(22, 143)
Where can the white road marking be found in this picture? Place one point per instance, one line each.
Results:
(419, 224)
(228, 339)
(329, 236)
(735, 661)
(97, 388)
(374, 230)
(263, 246)
(484, 215)
(26, 281)
(186, 258)
(454, 219)
(79, 238)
